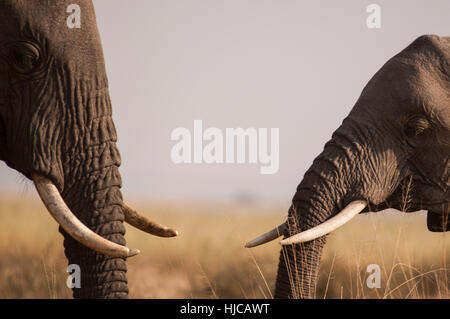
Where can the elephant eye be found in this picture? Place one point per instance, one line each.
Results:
(416, 126)
(23, 56)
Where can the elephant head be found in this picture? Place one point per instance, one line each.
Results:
(397, 134)
(56, 129)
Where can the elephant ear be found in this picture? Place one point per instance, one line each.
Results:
(438, 223)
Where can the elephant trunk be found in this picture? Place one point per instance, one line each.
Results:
(98, 203)
(91, 190)
(324, 192)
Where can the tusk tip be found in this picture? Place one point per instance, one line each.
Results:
(168, 233)
(145, 224)
(133, 252)
(172, 233)
(267, 237)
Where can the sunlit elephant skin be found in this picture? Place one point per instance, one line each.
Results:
(393, 150)
(56, 128)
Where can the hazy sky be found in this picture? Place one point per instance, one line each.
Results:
(294, 65)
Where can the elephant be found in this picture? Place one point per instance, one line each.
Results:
(395, 140)
(56, 129)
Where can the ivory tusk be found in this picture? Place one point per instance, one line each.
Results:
(350, 211)
(143, 223)
(267, 237)
(72, 225)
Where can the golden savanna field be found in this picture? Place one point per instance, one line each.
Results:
(208, 260)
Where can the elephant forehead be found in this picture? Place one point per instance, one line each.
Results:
(413, 84)
(428, 58)
(431, 92)
(429, 48)
(400, 89)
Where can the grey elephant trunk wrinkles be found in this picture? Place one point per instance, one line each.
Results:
(84, 162)
(323, 192)
(92, 191)
(97, 201)
(90, 180)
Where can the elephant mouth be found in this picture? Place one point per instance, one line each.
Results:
(441, 208)
(413, 194)
(430, 197)
(432, 191)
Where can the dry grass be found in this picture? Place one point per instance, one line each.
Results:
(208, 259)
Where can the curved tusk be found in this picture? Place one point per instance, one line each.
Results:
(143, 223)
(267, 237)
(72, 225)
(350, 211)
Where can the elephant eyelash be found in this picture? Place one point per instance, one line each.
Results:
(416, 126)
